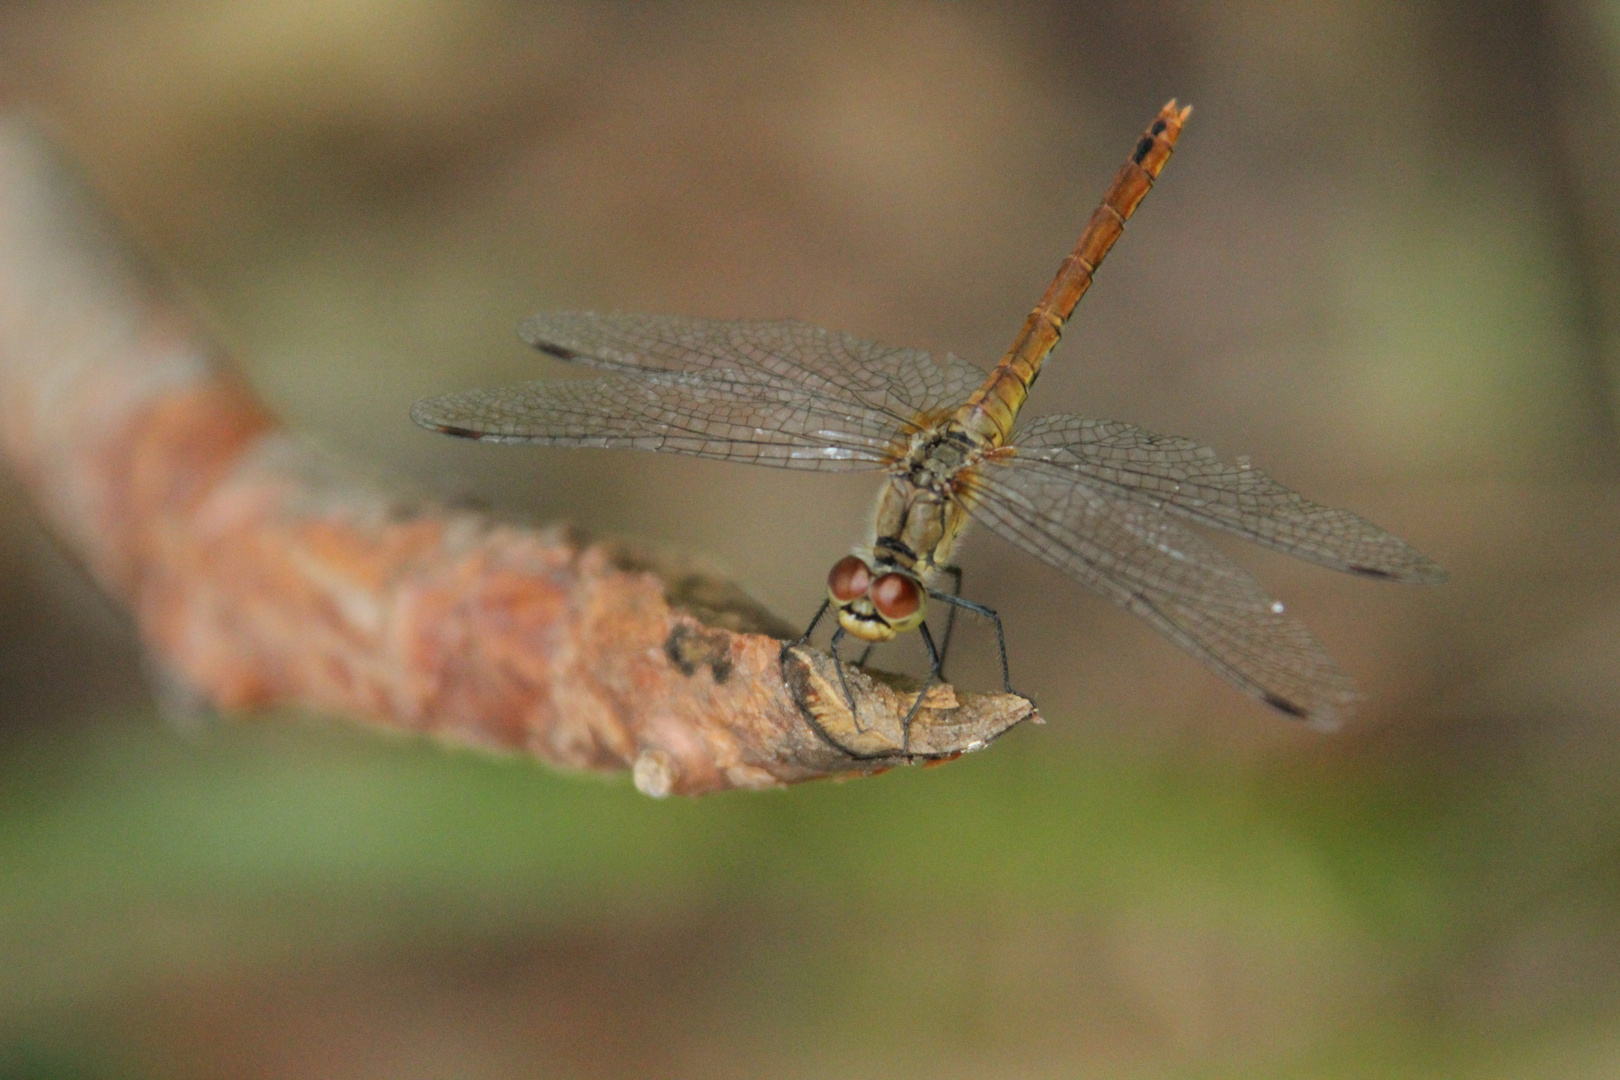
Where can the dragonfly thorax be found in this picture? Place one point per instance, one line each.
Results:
(937, 455)
(922, 509)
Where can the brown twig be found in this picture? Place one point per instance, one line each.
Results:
(262, 575)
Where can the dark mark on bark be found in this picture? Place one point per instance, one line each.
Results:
(689, 648)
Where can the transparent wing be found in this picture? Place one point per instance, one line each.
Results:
(806, 362)
(702, 417)
(781, 393)
(1189, 480)
(1188, 590)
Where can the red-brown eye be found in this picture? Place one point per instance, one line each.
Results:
(849, 579)
(896, 597)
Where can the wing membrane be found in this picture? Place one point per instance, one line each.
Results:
(1187, 589)
(781, 393)
(709, 418)
(800, 359)
(1189, 480)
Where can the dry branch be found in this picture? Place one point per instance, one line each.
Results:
(261, 575)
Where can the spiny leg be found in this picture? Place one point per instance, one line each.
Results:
(788, 646)
(934, 663)
(838, 661)
(950, 623)
(838, 665)
(814, 622)
(1001, 637)
(950, 620)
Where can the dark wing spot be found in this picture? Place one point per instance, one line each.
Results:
(458, 432)
(1284, 705)
(558, 351)
(1372, 572)
(1157, 128)
(1142, 149)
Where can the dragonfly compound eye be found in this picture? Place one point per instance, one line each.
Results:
(897, 597)
(849, 579)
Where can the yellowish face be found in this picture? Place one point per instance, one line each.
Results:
(875, 607)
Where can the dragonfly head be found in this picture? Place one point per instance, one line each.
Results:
(874, 607)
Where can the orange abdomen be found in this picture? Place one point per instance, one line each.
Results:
(990, 412)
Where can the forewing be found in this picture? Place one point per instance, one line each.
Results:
(703, 416)
(1189, 480)
(797, 358)
(1150, 565)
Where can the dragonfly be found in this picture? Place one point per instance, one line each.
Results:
(1105, 502)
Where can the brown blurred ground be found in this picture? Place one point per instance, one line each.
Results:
(1385, 263)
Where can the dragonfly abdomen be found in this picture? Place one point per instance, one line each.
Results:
(990, 412)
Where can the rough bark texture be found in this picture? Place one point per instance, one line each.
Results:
(260, 574)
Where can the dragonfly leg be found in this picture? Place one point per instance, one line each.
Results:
(950, 620)
(838, 662)
(804, 637)
(934, 663)
(1001, 637)
(838, 665)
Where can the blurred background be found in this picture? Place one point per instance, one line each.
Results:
(1385, 263)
